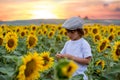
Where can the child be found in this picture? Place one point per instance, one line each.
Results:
(77, 48)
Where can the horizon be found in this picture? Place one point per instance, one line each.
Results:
(55, 9)
(51, 19)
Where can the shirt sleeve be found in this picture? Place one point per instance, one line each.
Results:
(86, 49)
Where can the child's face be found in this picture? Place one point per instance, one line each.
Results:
(73, 34)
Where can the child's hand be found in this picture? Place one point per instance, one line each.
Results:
(58, 56)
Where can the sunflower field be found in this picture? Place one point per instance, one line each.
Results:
(28, 52)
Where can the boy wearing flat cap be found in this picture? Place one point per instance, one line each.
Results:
(77, 48)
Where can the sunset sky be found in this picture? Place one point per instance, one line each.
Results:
(58, 9)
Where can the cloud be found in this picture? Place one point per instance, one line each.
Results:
(117, 9)
(105, 5)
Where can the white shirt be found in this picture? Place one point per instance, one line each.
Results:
(78, 48)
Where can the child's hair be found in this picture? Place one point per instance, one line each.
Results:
(80, 32)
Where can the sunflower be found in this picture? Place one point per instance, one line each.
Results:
(116, 51)
(62, 32)
(1, 29)
(44, 31)
(31, 41)
(48, 61)
(64, 69)
(69, 69)
(22, 33)
(86, 30)
(103, 45)
(11, 40)
(118, 33)
(39, 32)
(17, 29)
(111, 37)
(59, 27)
(32, 32)
(50, 34)
(11, 43)
(101, 63)
(97, 37)
(33, 28)
(32, 65)
(95, 30)
(111, 29)
(58, 37)
(12, 34)
(1, 40)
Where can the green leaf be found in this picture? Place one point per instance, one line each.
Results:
(7, 70)
(3, 77)
(78, 77)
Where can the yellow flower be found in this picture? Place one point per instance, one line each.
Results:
(111, 28)
(103, 45)
(116, 51)
(118, 32)
(65, 68)
(111, 37)
(12, 34)
(69, 69)
(39, 32)
(31, 41)
(32, 65)
(95, 30)
(62, 32)
(58, 37)
(17, 29)
(50, 34)
(101, 63)
(44, 31)
(48, 61)
(22, 33)
(33, 27)
(1, 40)
(97, 37)
(11, 41)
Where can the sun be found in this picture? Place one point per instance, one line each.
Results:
(43, 14)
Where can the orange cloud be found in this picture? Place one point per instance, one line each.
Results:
(26, 9)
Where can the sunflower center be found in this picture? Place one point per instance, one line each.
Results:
(69, 69)
(46, 60)
(118, 33)
(34, 28)
(97, 37)
(30, 66)
(118, 50)
(39, 32)
(100, 63)
(31, 41)
(94, 31)
(18, 30)
(111, 38)
(10, 43)
(111, 30)
(51, 34)
(102, 45)
(1, 41)
(22, 34)
(45, 32)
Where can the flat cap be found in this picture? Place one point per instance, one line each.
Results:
(73, 23)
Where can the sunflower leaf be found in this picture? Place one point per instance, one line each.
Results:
(7, 70)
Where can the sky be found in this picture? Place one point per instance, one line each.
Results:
(58, 9)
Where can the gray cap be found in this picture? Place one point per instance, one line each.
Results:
(73, 23)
